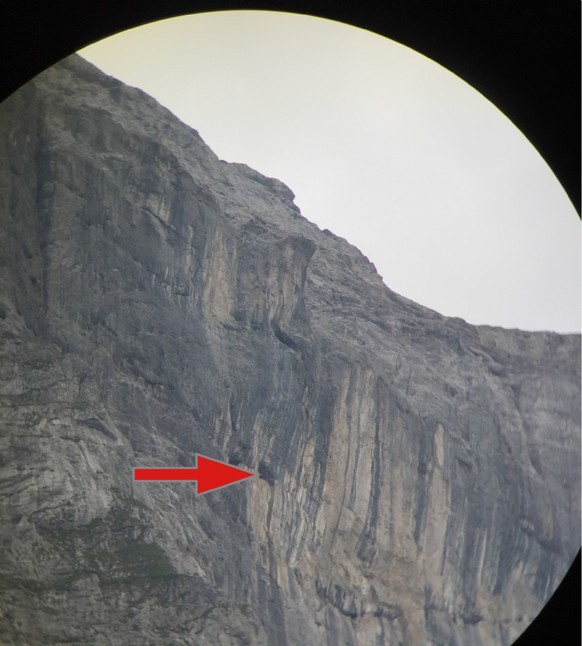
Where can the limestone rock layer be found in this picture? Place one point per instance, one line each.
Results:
(417, 477)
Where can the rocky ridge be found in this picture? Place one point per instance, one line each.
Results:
(417, 477)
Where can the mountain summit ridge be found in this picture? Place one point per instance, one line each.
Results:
(418, 477)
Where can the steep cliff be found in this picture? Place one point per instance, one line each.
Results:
(417, 477)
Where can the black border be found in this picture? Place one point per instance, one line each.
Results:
(522, 55)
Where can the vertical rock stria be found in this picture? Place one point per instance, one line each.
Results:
(417, 477)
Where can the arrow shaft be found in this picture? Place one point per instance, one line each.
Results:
(175, 474)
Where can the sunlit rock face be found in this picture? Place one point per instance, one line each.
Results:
(417, 477)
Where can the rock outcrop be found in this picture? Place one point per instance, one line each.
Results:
(417, 477)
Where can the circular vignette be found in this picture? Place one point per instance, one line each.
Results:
(524, 62)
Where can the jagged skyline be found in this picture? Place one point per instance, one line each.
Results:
(446, 197)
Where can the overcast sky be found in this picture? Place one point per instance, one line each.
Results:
(380, 145)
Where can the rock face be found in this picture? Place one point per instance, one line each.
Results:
(417, 477)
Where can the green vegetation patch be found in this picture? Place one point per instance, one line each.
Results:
(112, 547)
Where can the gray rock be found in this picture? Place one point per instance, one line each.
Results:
(418, 477)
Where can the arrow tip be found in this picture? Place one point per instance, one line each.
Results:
(214, 474)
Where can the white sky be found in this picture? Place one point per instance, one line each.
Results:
(380, 145)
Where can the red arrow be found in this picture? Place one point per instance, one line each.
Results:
(209, 474)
